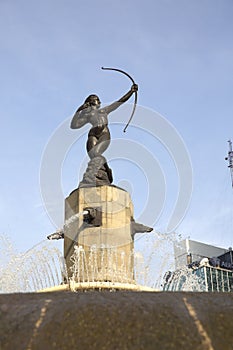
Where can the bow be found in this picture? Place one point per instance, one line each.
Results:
(136, 95)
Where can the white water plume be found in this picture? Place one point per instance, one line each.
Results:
(40, 267)
(43, 265)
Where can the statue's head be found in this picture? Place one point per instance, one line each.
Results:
(93, 100)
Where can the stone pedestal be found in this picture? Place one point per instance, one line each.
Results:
(101, 244)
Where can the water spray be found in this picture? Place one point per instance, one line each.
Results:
(59, 234)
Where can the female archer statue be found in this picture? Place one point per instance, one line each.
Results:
(98, 172)
(90, 112)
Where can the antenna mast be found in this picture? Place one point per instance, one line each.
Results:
(230, 160)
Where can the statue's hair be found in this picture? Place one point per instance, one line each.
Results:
(90, 97)
(87, 102)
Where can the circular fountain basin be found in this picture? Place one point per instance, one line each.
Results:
(112, 286)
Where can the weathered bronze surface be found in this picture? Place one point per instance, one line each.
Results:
(98, 172)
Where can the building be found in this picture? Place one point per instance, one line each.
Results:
(200, 267)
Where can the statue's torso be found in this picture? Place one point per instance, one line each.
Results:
(99, 121)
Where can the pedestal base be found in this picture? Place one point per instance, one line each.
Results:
(101, 248)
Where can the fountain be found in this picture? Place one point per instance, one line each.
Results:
(99, 227)
(43, 267)
(99, 224)
(104, 248)
(100, 249)
(39, 268)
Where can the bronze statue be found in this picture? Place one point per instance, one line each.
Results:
(98, 172)
(90, 112)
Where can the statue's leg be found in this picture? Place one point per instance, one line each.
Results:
(91, 143)
(98, 172)
(102, 143)
(97, 146)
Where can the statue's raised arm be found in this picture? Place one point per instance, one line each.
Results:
(118, 103)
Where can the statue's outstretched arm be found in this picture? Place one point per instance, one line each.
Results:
(123, 99)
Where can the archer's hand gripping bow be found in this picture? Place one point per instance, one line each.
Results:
(135, 96)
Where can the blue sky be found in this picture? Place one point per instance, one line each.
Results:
(180, 54)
